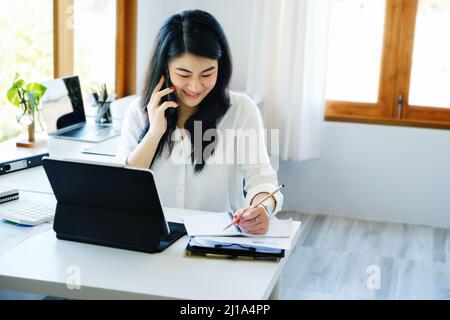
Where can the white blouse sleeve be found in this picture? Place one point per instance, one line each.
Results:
(132, 128)
(258, 172)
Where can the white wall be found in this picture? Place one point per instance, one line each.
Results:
(374, 172)
(365, 171)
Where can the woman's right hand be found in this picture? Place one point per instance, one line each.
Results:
(156, 110)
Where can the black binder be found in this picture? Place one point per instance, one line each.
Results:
(21, 163)
(232, 251)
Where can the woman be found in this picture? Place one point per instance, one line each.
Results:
(181, 140)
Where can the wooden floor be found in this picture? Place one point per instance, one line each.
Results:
(337, 258)
(333, 254)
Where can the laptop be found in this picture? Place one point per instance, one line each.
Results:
(109, 205)
(64, 114)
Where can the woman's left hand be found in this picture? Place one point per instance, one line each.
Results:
(254, 221)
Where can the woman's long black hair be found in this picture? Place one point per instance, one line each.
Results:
(199, 33)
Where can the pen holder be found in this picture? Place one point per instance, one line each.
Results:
(103, 112)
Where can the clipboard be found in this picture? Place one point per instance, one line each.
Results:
(232, 251)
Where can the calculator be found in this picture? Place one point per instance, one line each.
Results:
(27, 212)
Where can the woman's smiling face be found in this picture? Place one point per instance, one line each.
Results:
(194, 77)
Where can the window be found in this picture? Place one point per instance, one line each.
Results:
(95, 44)
(26, 47)
(355, 53)
(45, 39)
(430, 70)
(389, 62)
(100, 46)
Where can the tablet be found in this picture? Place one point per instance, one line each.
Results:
(109, 205)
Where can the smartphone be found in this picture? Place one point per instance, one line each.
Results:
(170, 96)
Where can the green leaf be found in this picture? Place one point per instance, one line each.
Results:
(20, 83)
(13, 96)
(37, 89)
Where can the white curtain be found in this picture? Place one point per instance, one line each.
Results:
(287, 65)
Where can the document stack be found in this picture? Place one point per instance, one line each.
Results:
(209, 239)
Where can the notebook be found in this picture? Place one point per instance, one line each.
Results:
(102, 150)
(8, 194)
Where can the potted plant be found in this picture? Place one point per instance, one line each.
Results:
(26, 97)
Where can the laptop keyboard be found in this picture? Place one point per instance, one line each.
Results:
(91, 130)
(94, 133)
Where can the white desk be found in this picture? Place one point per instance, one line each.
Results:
(42, 264)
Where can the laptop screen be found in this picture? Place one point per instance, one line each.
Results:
(62, 104)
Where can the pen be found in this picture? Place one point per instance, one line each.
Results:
(236, 219)
(94, 94)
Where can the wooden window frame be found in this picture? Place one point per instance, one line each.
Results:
(125, 43)
(63, 38)
(395, 75)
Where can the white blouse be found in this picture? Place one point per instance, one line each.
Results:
(219, 186)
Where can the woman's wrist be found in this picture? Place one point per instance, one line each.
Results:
(270, 202)
(268, 205)
(153, 136)
(268, 210)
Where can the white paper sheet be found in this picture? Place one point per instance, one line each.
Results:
(12, 235)
(212, 224)
(268, 242)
